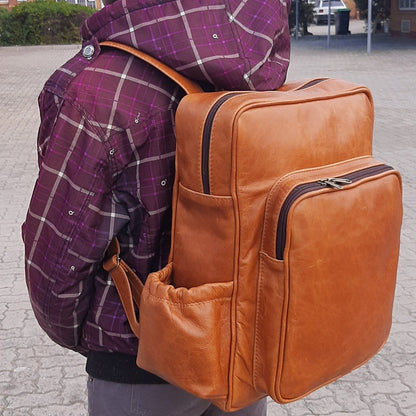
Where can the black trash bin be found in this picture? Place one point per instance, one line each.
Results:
(342, 21)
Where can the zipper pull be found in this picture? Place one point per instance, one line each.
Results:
(334, 183)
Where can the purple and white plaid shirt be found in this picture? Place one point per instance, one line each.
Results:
(106, 149)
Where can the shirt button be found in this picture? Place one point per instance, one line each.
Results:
(88, 51)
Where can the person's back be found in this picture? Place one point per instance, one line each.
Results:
(106, 157)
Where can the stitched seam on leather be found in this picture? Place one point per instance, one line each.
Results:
(182, 305)
(256, 354)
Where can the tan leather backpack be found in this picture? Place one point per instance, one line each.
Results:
(285, 243)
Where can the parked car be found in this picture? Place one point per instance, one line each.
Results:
(320, 11)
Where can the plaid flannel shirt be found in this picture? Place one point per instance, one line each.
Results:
(106, 149)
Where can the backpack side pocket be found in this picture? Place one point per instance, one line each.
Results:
(185, 335)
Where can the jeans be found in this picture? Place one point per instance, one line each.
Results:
(115, 399)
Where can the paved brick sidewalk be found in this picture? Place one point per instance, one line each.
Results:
(38, 378)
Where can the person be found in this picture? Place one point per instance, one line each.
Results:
(106, 149)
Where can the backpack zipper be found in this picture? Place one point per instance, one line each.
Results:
(206, 134)
(311, 83)
(206, 139)
(299, 190)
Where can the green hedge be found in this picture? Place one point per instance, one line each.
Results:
(42, 23)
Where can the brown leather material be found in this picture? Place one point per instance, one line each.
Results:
(257, 137)
(301, 84)
(197, 109)
(128, 285)
(256, 140)
(280, 190)
(351, 251)
(258, 119)
(214, 252)
(227, 319)
(354, 293)
(196, 323)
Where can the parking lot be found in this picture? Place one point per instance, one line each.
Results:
(38, 378)
(356, 27)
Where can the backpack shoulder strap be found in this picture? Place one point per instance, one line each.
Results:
(186, 84)
(127, 283)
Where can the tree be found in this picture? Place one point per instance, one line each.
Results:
(380, 9)
(42, 22)
(305, 16)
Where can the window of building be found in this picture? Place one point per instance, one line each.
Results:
(407, 4)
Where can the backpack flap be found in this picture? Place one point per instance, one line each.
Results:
(331, 240)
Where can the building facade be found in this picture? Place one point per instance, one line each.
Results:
(403, 18)
(9, 4)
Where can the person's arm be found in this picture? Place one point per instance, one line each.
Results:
(71, 218)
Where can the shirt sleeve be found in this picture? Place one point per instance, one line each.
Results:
(72, 216)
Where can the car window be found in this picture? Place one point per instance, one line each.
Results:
(334, 3)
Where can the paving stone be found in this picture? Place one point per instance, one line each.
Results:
(38, 378)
